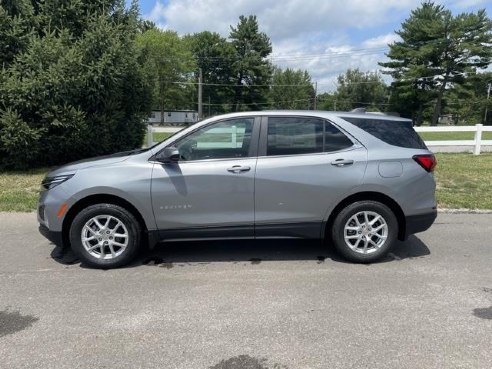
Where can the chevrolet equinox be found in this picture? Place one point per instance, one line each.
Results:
(359, 181)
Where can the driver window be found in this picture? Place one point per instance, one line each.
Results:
(226, 139)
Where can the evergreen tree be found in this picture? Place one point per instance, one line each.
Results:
(468, 101)
(71, 85)
(438, 49)
(252, 71)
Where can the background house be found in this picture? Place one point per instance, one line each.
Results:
(174, 117)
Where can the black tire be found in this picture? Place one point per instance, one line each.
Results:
(131, 226)
(343, 217)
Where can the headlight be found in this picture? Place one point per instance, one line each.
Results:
(50, 182)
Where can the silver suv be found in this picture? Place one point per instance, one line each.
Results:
(359, 181)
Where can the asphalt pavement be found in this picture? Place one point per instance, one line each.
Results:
(250, 305)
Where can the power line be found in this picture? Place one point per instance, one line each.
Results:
(265, 103)
(328, 54)
(244, 85)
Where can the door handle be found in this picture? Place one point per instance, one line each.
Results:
(342, 162)
(238, 169)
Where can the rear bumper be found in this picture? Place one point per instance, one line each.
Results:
(420, 223)
(54, 237)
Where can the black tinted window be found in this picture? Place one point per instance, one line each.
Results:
(393, 132)
(291, 136)
(334, 139)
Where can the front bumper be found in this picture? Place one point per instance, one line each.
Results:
(54, 237)
(420, 223)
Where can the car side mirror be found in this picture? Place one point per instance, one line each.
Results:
(168, 155)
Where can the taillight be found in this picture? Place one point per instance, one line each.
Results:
(428, 162)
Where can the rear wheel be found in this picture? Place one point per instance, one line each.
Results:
(105, 236)
(364, 231)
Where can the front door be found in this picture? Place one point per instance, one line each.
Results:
(209, 192)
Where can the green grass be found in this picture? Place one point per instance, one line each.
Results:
(463, 181)
(161, 136)
(444, 136)
(158, 137)
(19, 191)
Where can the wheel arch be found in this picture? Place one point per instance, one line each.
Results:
(98, 199)
(370, 196)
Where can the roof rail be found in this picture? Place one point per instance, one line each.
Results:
(364, 111)
(358, 110)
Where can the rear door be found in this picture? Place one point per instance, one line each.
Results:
(305, 164)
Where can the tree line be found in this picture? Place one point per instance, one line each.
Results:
(237, 74)
(79, 77)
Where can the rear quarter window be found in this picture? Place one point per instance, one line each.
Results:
(393, 132)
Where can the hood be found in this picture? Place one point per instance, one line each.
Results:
(97, 161)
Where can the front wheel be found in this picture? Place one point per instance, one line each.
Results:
(105, 236)
(364, 231)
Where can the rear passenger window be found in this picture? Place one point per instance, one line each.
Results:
(291, 136)
(334, 139)
(394, 132)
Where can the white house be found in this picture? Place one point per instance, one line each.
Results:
(173, 117)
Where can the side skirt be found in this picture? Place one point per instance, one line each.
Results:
(310, 230)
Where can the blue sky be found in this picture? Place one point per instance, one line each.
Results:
(324, 37)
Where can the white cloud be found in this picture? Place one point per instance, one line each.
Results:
(463, 4)
(308, 34)
(279, 19)
(381, 41)
(326, 60)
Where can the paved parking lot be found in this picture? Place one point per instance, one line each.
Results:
(250, 305)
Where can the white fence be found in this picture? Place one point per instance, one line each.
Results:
(476, 143)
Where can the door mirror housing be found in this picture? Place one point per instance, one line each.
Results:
(168, 155)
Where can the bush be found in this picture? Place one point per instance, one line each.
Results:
(75, 88)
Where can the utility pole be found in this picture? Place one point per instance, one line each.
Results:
(315, 94)
(487, 102)
(209, 105)
(200, 102)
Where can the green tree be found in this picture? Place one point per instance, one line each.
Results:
(16, 23)
(251, 69)
(327, 101)
(214, 55)
(72, 86)
(356, 89)
(438, 49)
(411, 99)
(468, 100)
(170, 64)
(291, 89)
